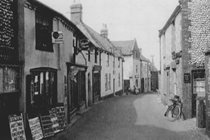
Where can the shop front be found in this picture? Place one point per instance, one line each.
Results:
(42, 89)
(76, 95)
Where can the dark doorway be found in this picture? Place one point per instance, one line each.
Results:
(142, 85)
(96, 86)
(77, 91)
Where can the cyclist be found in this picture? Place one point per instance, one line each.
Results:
(175, 100)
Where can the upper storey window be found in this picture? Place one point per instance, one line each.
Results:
(43, 32)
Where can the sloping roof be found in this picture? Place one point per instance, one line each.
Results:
(170, 20)
(98, 41)
(126, 47)
(39, 3)
(143, 58)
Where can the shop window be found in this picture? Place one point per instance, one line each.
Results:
(43, 32)
(43, 89)
(8, 80)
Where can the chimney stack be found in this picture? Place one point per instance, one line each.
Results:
(76, 12)
(104, 31)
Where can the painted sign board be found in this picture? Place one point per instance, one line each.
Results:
(36, 130)
(17, 129)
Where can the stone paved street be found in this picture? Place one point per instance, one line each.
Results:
(132, 117)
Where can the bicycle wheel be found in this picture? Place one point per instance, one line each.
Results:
(176, 111)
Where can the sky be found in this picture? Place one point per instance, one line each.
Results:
(125, 19)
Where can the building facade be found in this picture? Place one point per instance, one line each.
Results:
(178, 76)
(145, 74)
(104, 60)
(131, 67)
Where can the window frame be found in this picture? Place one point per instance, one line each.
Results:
(43, 31)
(5, 80)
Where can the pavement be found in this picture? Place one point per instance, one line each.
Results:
(131, 117)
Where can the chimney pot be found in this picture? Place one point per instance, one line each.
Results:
(104, 31)
(76, 12)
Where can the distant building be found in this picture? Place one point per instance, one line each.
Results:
(131, 67)
(145, 74)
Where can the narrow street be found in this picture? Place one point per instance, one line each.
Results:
(130, 118)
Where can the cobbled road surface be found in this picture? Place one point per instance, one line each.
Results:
(131, 117)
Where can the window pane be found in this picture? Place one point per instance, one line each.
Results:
(10, 80)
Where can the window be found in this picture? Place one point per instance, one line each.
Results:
(106, 82)
(118, 62)
(96, 56)
(113, 62)
(107, 59)
(8, 80)
(110, 81)
(88, 55)
(43, 32)
(119, 80)
(43, 88)
(136, 68)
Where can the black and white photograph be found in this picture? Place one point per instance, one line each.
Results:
(104, 69)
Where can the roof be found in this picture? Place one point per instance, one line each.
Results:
(95, 38)
(126, 47)
(143, 58)
(98, 41)
(170, 20)
(56, 13)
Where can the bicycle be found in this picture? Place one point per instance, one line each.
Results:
(174, 111)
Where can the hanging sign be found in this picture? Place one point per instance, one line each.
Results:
(17, 127)
(36, 129)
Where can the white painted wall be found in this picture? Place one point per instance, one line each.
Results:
(128, 67)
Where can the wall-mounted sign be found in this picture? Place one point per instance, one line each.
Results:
(17, 127)
(57, 37)
(186, 77)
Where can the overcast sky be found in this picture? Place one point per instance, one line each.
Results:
(125, 19)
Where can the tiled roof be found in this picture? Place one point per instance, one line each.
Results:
(125, 46)
(143, 58)
(99, 41)
(170, 20)
(153, 68)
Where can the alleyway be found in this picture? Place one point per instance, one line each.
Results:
(130, 118)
